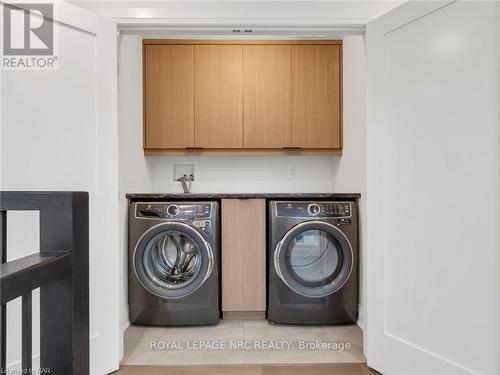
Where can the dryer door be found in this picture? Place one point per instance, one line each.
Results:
(172, 260)
(314, 259)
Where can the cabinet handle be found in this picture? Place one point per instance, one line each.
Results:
(292, 148)
(193, 148)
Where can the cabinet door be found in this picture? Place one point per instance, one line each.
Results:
(218, 96)
(243, 255)
(316, 96)
(168, 96)
(266, 96)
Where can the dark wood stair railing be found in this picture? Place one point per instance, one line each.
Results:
(60, 270)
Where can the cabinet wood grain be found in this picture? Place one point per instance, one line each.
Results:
(168, 96)
(316, 96)
(218, 96)
(242, 97)
(267, 96)
(243, 255)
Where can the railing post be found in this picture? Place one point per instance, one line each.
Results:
(64, 303)
(3, 307)
(61, 271)
(27, 343)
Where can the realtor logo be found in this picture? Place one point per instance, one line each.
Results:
(27, 29)
(28, 36)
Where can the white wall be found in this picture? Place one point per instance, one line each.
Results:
(248, 174)
(350, 170)
(239, 174)
(38, 154)
(497, 59)
(59, 132)
(134, 169)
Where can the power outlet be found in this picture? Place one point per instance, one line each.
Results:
(292, 171)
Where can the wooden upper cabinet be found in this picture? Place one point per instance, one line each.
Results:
(316, 96)
(218, 96)
(168, 96)
(242, 97)
(266, 96)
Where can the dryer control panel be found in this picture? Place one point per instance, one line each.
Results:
(173, 210)
(314, 209)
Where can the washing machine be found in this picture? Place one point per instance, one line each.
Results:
(313, 262)
(173, 273)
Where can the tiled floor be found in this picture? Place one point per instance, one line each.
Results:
(242, 342)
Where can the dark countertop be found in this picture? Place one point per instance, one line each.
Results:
(155, 196)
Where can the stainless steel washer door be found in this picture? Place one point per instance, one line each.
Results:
(172, 260)
(314, 259)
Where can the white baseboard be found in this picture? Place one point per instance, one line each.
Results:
(361, 318)
(244, 315)
(125, 325)
(125, 318)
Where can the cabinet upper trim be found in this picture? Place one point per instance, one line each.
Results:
(239, 41)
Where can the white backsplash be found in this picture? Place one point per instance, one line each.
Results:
(247, 174)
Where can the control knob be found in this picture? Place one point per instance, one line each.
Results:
(173, 210)
(313, 209)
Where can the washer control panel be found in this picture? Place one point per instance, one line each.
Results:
(173, 210)
(314, 209)
(204, 225)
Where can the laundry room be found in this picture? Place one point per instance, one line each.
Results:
(247, 187)
(302, 308)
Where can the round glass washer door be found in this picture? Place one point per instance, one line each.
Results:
(314, 259)
(172, 260)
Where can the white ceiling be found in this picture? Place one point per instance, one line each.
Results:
(209, 18)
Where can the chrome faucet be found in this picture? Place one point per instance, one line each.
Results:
(184, 182)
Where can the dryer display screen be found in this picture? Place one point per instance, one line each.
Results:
(314, 209)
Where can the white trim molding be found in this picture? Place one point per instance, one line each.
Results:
(220, 17)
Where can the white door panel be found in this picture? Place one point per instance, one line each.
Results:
(432, 188)
(59, 132)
